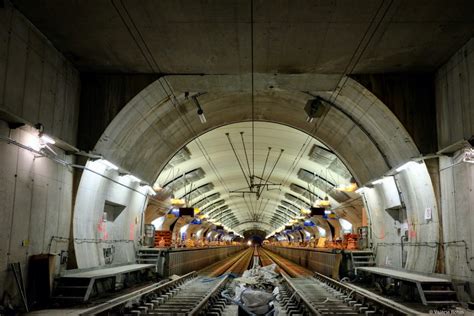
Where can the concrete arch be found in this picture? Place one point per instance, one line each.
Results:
(358, 127)
(152, 126)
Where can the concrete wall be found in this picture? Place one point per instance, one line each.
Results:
(37, 84)
(389, 224)
(35, 205)
(455, 97)
(410, 96)
(92, 232)
(455, 104)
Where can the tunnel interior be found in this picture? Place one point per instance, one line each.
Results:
(188, 128)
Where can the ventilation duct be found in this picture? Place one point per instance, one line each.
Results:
(289, 207)
(321, 155)
(182, 156)
(301, 203)
(208, 199)
(197, 192)
(217, 210)
(304, 192)
(322, 184)
(186, 179)
(339, 168)
(212, 206)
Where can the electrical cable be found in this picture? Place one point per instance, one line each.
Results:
(246, 157)
(238, 160)
(252, 84)
(315, 128)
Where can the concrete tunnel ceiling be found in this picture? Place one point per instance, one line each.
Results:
(297, 52)
(282, 172)
(357, 127)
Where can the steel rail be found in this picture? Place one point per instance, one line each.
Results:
(135, 294)
(214, 291)
(307, 303)
(367, 295)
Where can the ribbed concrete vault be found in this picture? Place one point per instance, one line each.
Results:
(160, 121)
(280, 173)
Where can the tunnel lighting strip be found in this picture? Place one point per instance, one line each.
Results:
(67, 164)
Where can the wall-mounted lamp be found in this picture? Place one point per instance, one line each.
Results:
(200, 112)
(468, 155)
(46, 139)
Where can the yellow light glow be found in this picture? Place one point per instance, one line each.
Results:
(347, 188)
(305, 211)
(323, 203)
(177, 202)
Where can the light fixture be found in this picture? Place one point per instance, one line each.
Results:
(305, 211)
(327, 212)
(177, 201)
(108, 164)
(468, 155)
(47, 139)
(351, 187)
(323, 203)
(200, 111)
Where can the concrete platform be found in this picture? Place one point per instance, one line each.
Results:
(432, 290)
(80, 285)
(108, 272)
(402, 275)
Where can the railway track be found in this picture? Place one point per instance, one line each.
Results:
(196, 293)
(302, 292)
(316, 294)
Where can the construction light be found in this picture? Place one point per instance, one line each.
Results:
(46, 139)
(468, 155)
(202, 118)
(200, 112)
(305, 211)
(177, 202)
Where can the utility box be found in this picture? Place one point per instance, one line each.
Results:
(149, 238)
